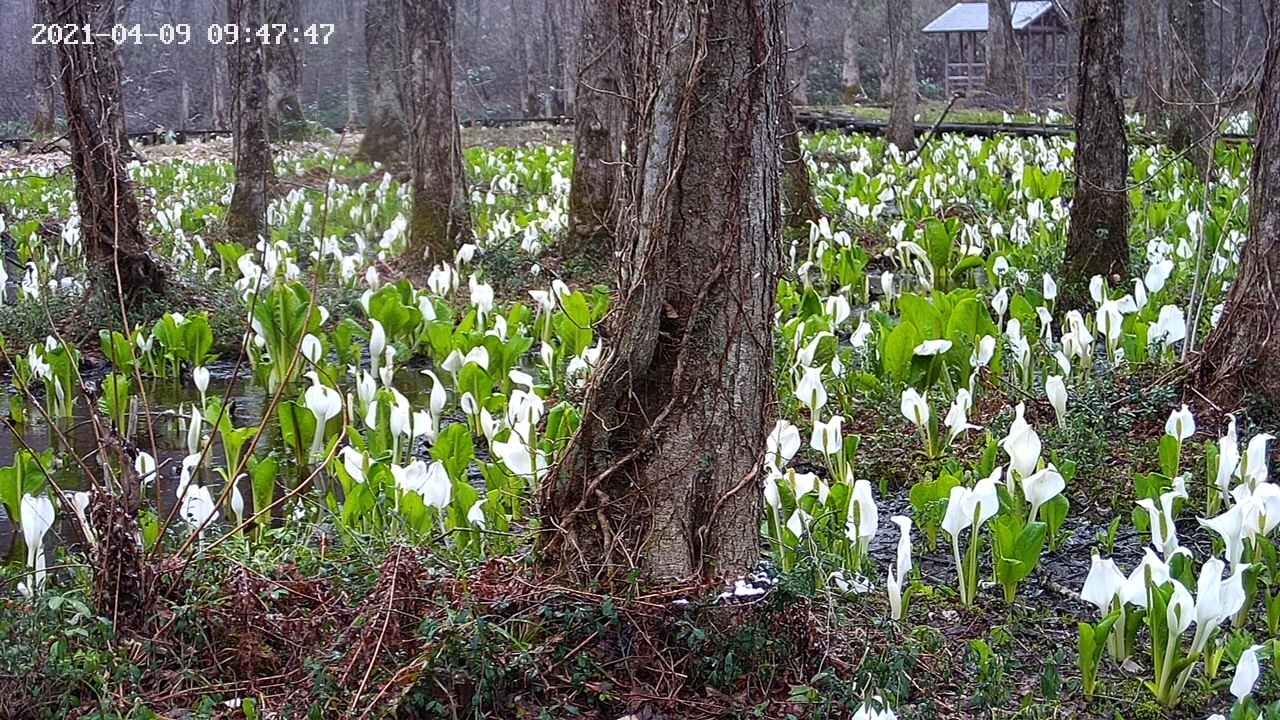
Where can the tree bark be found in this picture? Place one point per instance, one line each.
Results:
(42, 87)
(284, 74)
(599, 128)
(440, 220)
(850, 70)
(1190, 121)
(110, 226)
(1152, 21)
(247, 214)
(387, 135)
(902, 66)
(1242, 355)
(663, 476)
(1098, 243)
(1005, 76)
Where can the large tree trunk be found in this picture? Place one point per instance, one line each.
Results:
(600, 123)
(664, 474)
(440, 219)
(1242, 355)
(387, 135)
(110, 224)
(42, 86)
(1152, 24)
(284, 74)
(902, 66)
(1005, 77)
(1190, 123)
(1099, 236)
(247, 214)
(851, 45)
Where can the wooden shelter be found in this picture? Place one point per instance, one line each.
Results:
(1040, 28)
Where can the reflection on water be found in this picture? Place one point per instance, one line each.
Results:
(170, 403)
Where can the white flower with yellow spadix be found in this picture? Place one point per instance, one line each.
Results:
(1164, 534)
(810, 391)
(475, 515)
(1040, 487)
(863, 517)
(324, 403)
(1230, 525)
(868, 711)
(519, 460)
(200, 376)
(312, 349)
(1022, 445)
(481, 298)
(1228, 463)
(237, 500)
(896, 576)
(1216, 599)
(1259, 508)
(781, 445)
(957, 419)
(1181, 424)
(1104, 585)
(1055, 388)
(826, 437)
(1050, 288)
(355, 463)
(930, 348)
(1000, 303)
(1253, 466)
(37, 516)
(145, 465)
(970, 509)
(915, 408)
(1246, 674)
(1170, 327)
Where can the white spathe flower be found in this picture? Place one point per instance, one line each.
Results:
(1230, 525)
(826, 437)
(145, 465)
(1097, 289)
(1164, 534)
(201, 377)
(1104, 584)
(1041, 487)
(354, 462)
(897, 575)
(1055, 388)
(1050, 288)
(325, 403)
(810, 391)
(436, 488)
(782, 445)
(929, 348)
(198, 509)
(1246, 674)
(983, 353)
(915, 407)
(475, 515)
(863, 515)
(1253, 467)
(1216, 599)
(1170, 327)
(1021, 444)
(37, 515)
(957, 419)
(1181, 610)
(799, 522)
(1181, 424)
(965, 506)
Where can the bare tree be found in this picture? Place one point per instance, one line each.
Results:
(1152, 33)
(1005, 76)
(42, 117)
(1099, 236)
(902, 66)
(1242, 354)
(284, 74)
(664, 475)
(801, 51)
(110, 219)
(387, 134)
(598, 129)
(440, 218)
(247, 214)
(851, 44)
(1189, 113)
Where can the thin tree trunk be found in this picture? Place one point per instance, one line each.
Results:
(284, 74)
(387, 135)
(247, 214)
(664, 476)
(348, 70)
(1190, 115)
(1153, 77)
(110, 226)
(850, 71)
(1242, 355)
(797, 190)
(1098, 243)
(902, 66)
(42, 86)
(598, 130)
(219, 110)
(440, 220)
(1005, 76)
(801, 53)
(184, 105)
